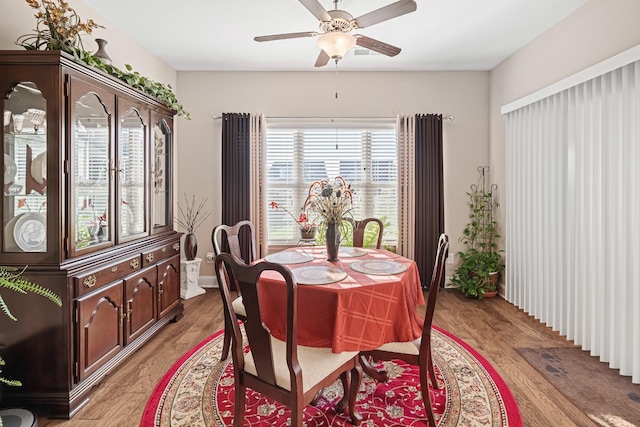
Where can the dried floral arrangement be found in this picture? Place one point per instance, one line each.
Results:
(332, 201)
(191, 216)
(59, 27)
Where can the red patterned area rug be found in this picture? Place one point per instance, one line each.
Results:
(198, 391)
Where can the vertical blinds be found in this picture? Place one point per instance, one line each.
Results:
(573, 205)
(366, 157)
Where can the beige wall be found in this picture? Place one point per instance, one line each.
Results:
(312, 94)
(598, 30)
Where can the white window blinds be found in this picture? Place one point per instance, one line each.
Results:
(365, 155)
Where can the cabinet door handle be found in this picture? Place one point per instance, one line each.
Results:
(122, 315)
(114, 168)
(114, 269)
(134, 263)
(129, 310)
(89, 281)
(176, 246)
(150, 257)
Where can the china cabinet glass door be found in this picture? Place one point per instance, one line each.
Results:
(131, 173)
(161, 172)
(92, 170)
(24, 181)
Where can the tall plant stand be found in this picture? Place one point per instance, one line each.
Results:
(189, 275)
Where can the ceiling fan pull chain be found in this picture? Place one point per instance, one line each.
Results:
(336, 79)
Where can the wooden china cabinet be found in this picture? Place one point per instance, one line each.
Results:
(87, 206)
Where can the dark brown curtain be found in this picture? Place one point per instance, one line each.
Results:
(429, 193)
(235, 174)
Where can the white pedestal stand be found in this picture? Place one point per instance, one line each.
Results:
(189, 274)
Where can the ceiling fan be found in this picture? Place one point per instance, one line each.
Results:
(335, 25)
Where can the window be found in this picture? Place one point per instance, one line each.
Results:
(365, 155)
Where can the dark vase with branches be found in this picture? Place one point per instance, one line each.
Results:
(481, 261)
(190, 218)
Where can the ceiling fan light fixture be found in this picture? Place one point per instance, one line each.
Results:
(336, 44)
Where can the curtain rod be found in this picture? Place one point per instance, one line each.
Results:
(449, 117)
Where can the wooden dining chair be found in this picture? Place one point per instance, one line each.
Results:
(359, 228)
(231, 235)
(418, 352)
(280, 370)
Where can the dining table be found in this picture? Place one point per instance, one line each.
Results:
(367, 298)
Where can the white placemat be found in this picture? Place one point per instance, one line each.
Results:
(349, 252)
(289, 257)
(318, 275)
(378, 266)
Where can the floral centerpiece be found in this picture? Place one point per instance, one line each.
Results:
(333, 203)
(307, 228)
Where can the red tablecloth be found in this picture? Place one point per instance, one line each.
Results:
(360, 312)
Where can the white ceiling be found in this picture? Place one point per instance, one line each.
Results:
(440, 35)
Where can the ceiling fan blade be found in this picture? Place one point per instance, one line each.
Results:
(285, 36)
(316, 9)
(323, 59)
(387, 12)
(377, 46)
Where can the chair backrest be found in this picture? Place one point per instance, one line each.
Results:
(231, 235)
(436, 278)
(231, 269)
(359, 228)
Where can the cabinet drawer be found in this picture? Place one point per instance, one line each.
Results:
(159, 253)
(90, 281)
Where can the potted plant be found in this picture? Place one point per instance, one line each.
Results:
(481, 262)
(11, 278)
(306, 227)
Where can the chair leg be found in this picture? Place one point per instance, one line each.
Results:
(426, 398)
(380, 376)
(239, 407)
(432, 373)
(296, 412)
(344, 402)
(354, 387)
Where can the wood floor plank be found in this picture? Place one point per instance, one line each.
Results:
(492, 326)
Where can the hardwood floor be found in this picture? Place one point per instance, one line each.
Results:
(492, 326)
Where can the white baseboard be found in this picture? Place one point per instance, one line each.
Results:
(207, 282)
(448, 284)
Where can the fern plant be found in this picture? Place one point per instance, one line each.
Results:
(12, 278)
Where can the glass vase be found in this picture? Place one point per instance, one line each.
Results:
(332, 241)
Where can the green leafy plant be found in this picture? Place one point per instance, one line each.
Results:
(11, 278)
(59, 27)
(481, 260)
